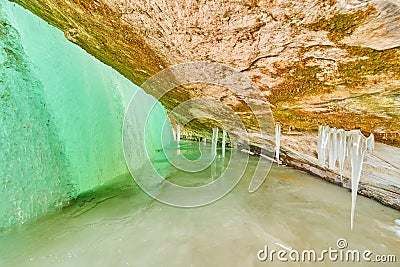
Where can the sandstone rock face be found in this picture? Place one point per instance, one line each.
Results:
(316, 62)
(381, 31)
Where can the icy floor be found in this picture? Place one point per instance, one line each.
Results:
(119, 225)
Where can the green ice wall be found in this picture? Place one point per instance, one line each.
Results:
(61, 114)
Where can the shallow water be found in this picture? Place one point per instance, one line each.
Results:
(119, 225)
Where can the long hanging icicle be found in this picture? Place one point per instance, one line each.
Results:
(223, 142)
(356, 146)
(341, 149)
(332, 148)
(277, 141)
(214, 142)
(323, 138)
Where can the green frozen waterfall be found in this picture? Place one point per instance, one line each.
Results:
(61, 115)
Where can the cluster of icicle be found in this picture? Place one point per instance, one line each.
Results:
(214, 142)
(335, 144)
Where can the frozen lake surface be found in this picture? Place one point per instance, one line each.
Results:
(119, 225)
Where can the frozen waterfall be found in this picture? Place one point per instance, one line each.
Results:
(60, 126)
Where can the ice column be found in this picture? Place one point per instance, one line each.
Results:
(323, 138)
(277, 141)
(356, 146)
(332, 148)
(214, 142)
(223, 142)
(341, 149)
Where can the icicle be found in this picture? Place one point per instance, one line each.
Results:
(178, 134)
(341, 149)
(356, 146)
(277, 141)
(332, 148)
(323, 138)
(214, 142)
(319, 146)
(371, 143)
(223, 142)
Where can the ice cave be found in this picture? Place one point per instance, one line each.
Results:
(199, 133)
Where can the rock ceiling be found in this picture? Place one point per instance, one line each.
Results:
(316, 62)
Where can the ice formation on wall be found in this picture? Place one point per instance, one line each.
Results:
(61, 114)
(277, 141)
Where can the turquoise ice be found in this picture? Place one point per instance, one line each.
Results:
(61, 114)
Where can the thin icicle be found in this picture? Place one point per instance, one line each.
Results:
(332, 148)
(214, 142)
(223, 142)
(277, 141)
(341, 149)
(357, 145)
(371, 143)
(323, 138)
(319, 146)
